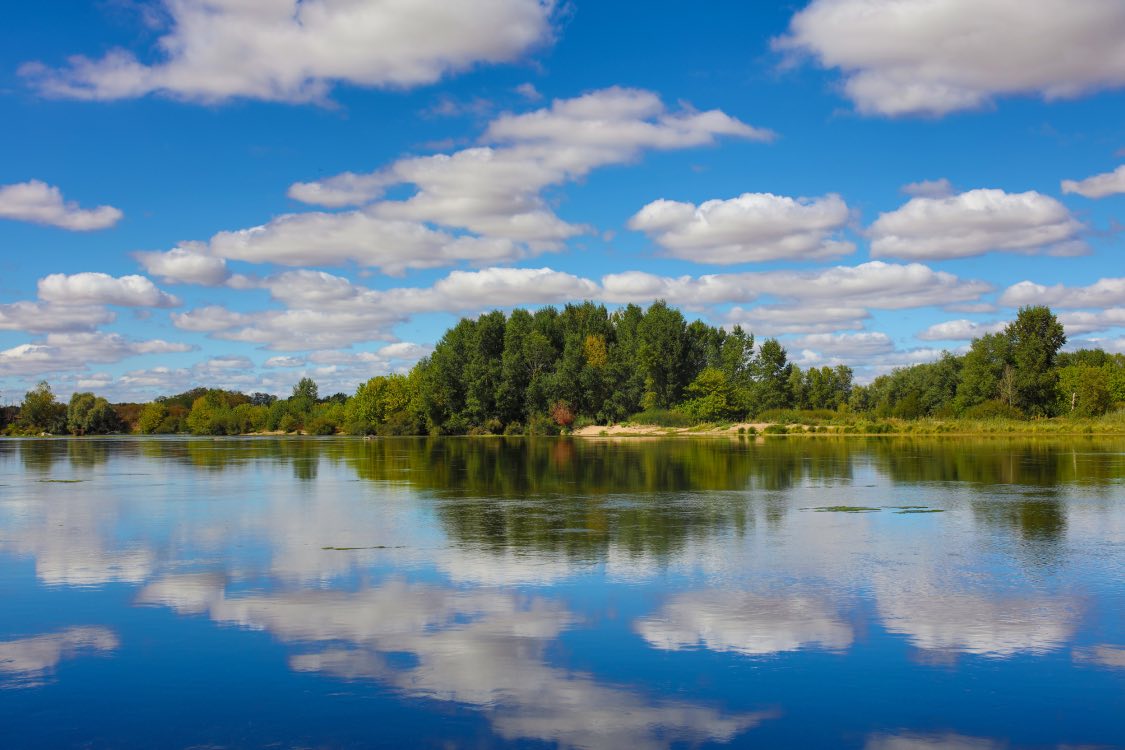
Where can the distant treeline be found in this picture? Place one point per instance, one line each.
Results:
(550, 370)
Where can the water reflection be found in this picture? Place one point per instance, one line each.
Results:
(591, 593)
(28, 662)
(485, 648)
(746, 623)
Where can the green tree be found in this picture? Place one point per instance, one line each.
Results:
(771, 377)
(88, 414)
(40, 412)
(984, 368)
(1035, 337)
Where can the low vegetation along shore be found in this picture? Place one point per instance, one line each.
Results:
(584, 371)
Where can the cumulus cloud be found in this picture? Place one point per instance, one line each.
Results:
(752, 227)
(960, 330)
(325, 311)
(287, 50)
(1102, 293)
(1088, 322)
(405, 350)
(974, 223)
(46, 317)
(932, 57)
(92, 288)
(41, 203)
(776, 320)
(75, 350)
(188, 264)
(929, 188)
(1098, 186)
(361, 237)
(495, 190)
(863, 344)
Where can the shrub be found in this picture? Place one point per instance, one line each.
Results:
(562, 414)
(994, 409)
(776, 429)
(513, 428)
(662, 418)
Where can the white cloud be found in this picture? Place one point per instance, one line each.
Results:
(851, 345)
(528, 91)
(932, 57)
(974, 223)
(188, 264)
(1088, 322)
(361, 237)
(283, 361)
(494, 190)
(1098, 186)
(960, 330)
(41, 203)
(775, 320)
(745, 623)
(752, 227)
(287, 50)
(405, 350)
(75, 350)
(939, 188)
(92, 288)
(40, 317)
(325, 311)
(1102, 293)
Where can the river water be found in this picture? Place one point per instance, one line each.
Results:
(537, 592)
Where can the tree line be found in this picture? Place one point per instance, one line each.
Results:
(549, 370)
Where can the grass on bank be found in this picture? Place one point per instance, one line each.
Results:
(827, 422)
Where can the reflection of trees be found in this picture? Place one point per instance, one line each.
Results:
(1040, 463)
(40, 455)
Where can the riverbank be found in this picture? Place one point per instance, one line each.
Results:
(1112, 424)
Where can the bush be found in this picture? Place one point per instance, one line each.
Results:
(800, 416)
(541, 424)
(662, 418)
(321, 426)
(992, 410)
(562, 414)
(513, 428)
(776, 429)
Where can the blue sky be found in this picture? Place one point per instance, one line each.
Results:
(241, 192)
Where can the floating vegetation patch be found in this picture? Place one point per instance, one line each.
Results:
(918, 510)
(61, 481)
(349, 549)
(845, 509)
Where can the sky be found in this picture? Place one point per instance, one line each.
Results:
(239, 193)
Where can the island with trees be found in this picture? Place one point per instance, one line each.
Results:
(553, 370)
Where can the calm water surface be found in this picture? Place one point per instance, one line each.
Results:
(338, 593)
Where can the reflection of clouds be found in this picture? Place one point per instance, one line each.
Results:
(930, 742)
(484, 648)
(66, 531)
(990, 624)
(1103, 655)
(28, 660)
(744, 622)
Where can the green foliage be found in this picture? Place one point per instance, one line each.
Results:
(537, 372)
(994, 409)
(88, 414)
(40, 412)
(663, 418)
